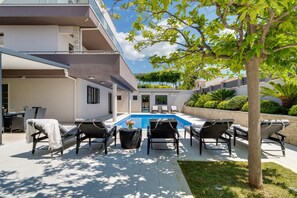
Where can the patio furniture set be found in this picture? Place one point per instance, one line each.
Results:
(164, 109)
(158, 131)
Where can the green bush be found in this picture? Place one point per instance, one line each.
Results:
(211, 104)
(245, 107)
(222, 94)
(222, 105)
(267, 106)
(236, 103)
(293, 110)
(193, 99)
(202, 100)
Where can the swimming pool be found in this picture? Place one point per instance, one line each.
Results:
(142, 120)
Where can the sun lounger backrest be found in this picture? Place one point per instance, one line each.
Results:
(163, 128)
(269, 128)
(93, 129)
(215, 128)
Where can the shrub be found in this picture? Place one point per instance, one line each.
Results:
(222, 94)
(236, 102)
(222, 105)
(245, 107)
(211, 104)
(202, 100)
(193, 99)
(152, 86)
(293, 110)
(267, 106)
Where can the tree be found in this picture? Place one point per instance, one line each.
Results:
(287, 92)
(243, 35)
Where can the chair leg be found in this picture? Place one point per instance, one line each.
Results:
(77, 143)
(105, 145)
(115, 138)
(200, 145)
(185, 134)
(34, 145)
(89, 141)
(217, 142)
(177, 148)
(229, 146)
(191, 138)
(62, 148)
(148, 146)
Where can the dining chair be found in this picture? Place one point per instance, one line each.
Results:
(19, 123)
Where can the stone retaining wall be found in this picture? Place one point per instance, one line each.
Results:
(242, 119)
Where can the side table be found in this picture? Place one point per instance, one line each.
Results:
(130, 138)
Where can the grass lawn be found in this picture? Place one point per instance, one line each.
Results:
(230, 179)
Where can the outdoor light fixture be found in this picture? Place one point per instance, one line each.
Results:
(87, 19)
(102, 83)
(91, 77)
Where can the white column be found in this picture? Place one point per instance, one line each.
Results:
(129, 102)
(114, 102)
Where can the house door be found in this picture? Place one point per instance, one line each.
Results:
(110, 103)
(145, 103)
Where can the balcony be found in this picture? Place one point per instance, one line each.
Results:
(94, 5)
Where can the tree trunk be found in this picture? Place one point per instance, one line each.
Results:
(254, 138)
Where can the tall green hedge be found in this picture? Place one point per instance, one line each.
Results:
(236, 102)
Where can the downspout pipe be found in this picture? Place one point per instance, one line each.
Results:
(75, 92)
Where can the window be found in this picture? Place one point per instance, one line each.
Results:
(134, 97)
(71, 48)
(93, 95)
(119, 97)
(161, 99)
(1, 39)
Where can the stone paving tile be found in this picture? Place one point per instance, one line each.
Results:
(120, 173)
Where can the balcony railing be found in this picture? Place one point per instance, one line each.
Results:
(93, 3)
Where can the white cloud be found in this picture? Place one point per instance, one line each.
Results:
(160, 49)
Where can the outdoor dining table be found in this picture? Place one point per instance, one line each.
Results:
(7, 118)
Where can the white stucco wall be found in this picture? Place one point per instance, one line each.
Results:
(30, 38)
(89, 111)
(177, 98)
(55, 94)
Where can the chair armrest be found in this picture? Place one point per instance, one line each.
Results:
(240, 129)
(112, 130)
(227, 133)
(148, 131)
(195, 130)
(72, 132)
(177, 134)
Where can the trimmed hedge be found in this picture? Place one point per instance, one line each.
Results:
(293, 110)
(211, 104)
(202, 100)
(267, 106)
(222, 105)
(236, 103)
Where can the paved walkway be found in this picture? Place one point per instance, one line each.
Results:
(120, 173)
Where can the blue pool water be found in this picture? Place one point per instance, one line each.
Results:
(142, 121)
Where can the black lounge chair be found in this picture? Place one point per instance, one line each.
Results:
(269, 130)
(212, 129)
(40, 135)
(89, 129)
(162, 131)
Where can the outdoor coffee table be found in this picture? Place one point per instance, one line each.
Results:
(130, 138)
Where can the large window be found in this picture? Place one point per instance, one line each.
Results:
(161, 99)
(93, 95)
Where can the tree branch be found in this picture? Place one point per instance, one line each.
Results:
(285, 47)
(284, 14)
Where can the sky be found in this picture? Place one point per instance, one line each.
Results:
(137, 61)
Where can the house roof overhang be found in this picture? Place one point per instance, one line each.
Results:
(81, 15)
(15, 65)
(103, 68)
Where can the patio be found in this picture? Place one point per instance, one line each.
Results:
(120, 173)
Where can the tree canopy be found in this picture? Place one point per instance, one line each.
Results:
(223, 36)
(160, 76)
